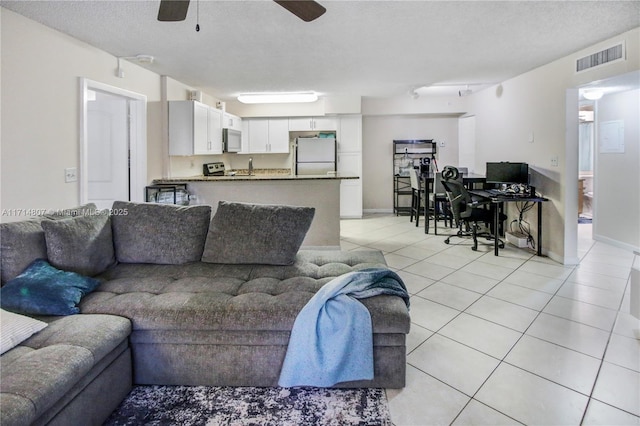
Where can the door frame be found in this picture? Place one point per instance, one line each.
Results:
(137, 138)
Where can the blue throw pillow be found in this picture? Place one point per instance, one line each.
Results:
(44, 290)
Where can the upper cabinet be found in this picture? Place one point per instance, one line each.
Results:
(230, 121)
(194, 129)
(305, 124)
(350, 133)
(265, 136)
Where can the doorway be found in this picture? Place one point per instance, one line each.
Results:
(586, 146)
(113, 153)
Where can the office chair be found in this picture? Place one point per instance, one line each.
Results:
(467, 211)
(416, 196)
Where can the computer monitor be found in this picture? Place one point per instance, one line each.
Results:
(508, 173)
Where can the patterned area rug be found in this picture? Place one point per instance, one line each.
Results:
(203, 405)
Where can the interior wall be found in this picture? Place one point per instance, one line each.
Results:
(617, 182)
(526, 119)
(378, 133)
(40, 92)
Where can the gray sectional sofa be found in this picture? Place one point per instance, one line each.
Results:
(176, 305)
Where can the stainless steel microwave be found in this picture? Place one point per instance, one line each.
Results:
(232, 140)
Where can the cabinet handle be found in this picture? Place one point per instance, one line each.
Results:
(311, 124)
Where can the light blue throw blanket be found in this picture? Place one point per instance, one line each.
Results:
(332, 339)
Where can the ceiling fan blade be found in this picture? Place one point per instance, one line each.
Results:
(173, 10)
(307, 10)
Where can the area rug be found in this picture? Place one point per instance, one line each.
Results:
(204, 405)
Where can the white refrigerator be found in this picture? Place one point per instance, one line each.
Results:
(315, 156)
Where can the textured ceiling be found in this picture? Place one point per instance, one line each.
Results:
(366, 48)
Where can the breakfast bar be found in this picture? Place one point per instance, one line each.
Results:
(319, 191)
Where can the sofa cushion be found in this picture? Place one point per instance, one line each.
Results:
(20, 244)
(159, 233)
(242, 233)
(44, 369)
(82, 244)
(23, 242)
(44, 290)
(16, 328)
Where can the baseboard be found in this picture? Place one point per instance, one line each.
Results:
(377, 211)
(615, 243)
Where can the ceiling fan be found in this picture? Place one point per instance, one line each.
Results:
(307, 10)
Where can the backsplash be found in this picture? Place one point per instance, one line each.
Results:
(192, 166)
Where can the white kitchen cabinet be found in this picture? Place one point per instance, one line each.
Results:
(194, 129)
(244, 137)
(265, 136)
(215, 131)
(305, 124)
(230, 121)
(279, 135)
(350, 133)
(350, 163)
(258, 135)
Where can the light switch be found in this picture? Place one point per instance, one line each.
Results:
(71, 174)
(441, 144)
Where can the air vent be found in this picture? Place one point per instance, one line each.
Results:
(606, 56)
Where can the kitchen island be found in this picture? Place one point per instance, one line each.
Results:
(319, 191)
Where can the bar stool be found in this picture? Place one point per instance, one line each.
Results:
(416, 197)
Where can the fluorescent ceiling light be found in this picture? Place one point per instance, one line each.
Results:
(276, 98)
(593, 95)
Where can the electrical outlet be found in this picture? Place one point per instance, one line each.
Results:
(71, 174)
(554, 161)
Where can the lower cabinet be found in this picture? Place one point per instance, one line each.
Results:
(350, 163)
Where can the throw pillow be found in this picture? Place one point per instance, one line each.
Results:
(82, 244)
(23, 242)
(83, 210)
(15, 329)
(44, 290)
(20, 244)
(243, 233)
(159, 233)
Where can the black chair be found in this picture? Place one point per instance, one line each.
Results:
(439, 202)
(416, 196)
(467, 211)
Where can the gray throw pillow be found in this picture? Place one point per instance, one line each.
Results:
(23, 242)
(82, 244)
(243, 233)
(20, 244)
(159, 233)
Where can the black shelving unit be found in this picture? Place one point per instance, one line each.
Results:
(417, 150)
(167, 193)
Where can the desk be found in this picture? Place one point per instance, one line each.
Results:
(500, 199)
(468, 179)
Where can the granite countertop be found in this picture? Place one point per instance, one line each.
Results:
(256, 177)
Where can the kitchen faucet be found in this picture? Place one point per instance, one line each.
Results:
(250, 166)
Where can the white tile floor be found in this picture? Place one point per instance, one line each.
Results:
(516, 339)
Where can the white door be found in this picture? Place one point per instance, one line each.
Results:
(108, 150)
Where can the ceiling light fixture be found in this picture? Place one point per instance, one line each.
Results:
(593, 95)
(277, 98)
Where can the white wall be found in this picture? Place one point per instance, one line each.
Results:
(617, 175)
(40, 111)
(536, 103)
(378, 133)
